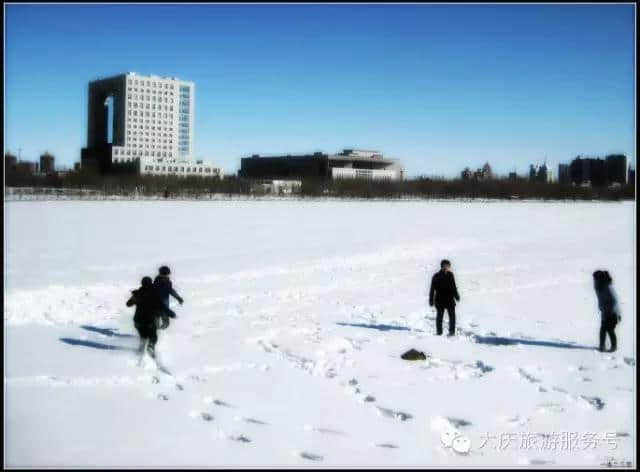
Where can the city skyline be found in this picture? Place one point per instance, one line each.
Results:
(441, 87)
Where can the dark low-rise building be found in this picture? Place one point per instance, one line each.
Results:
(10, 162)
(27, 167)
(348, 164)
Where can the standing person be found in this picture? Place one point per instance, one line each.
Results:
(608, 304)
(149, 305)
(443, 286)
(164, 287)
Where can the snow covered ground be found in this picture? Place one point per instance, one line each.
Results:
(287, 349)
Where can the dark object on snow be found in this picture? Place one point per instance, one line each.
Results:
(413, 355)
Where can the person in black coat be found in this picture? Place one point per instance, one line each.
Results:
(163, 285)
(444, 292)
(149, 306)
(609, 311)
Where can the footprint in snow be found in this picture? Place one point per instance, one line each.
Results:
(255, 421)
(206, 416)
(595, 402)
(458, 422)
(389, 413)
(630, 361)
(215, 401)
(387, 445)
(162, 396)
(550, 407)
(221, 403)
(197, 378)
(528, 377)
(310, 456)
(323, 430)
(536, 462)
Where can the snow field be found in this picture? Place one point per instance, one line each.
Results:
(287, 349)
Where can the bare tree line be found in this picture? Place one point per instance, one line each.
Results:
(129, 184)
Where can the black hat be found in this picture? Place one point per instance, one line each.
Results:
(602, 277)
(146, 281)
(445, 262)
(164, 270)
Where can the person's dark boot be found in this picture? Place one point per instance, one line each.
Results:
(601, 348)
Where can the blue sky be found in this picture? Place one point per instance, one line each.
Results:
(439, 86)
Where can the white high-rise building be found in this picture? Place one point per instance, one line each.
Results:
(144, 121)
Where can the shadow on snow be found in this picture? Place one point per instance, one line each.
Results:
(502, 341)
(107, 331)
(93, 344)
(379, 327)
(491, 340)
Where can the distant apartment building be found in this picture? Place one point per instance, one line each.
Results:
(540, 173)
(145, 124)
(349, 164)
(47, 163)
(564, 175)
(617, 168)
(483, 173)
(613, 169)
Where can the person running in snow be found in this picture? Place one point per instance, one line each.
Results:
(443, 291)
(609, 311)
(163, 285)
(149, 306)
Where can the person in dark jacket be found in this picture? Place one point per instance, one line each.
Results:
(443, 291)
(164, 287)
(149, 306)
(608, 305)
